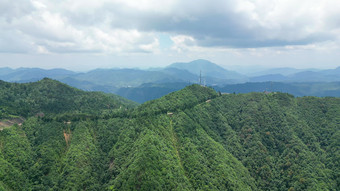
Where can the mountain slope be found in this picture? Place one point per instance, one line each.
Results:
(192, 139)
(273, 138)
(52, 97)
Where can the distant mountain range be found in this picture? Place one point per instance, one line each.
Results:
(32, 74)
(134, 83)
(286, 71)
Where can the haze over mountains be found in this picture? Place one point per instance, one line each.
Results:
(136, 84)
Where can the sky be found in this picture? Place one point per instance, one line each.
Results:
(82, 35)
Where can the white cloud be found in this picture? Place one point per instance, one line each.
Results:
(241, 23)
(196, 27)
(182, 43)
(45, 29)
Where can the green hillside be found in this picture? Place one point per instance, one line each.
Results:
(192, 139)
(52, 97)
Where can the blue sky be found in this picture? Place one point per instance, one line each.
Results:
(82, 35)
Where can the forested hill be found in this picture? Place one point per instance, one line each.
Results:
(52, 97)
(193, 139)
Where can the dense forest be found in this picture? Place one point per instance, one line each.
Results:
(52, 97)
(192, 139)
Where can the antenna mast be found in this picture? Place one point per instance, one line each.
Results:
(200, 77)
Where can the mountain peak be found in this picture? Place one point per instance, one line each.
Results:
(207, 68)
(200, 64)
(203, 61)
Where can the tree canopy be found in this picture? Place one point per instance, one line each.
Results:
(251, 141)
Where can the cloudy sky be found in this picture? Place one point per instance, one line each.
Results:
(86, 34)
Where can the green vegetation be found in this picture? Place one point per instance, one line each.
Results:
(193, 139)
(52, 97)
